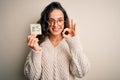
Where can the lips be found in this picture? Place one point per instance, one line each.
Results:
(55, 29)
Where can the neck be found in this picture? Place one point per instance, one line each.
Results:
(55, 40)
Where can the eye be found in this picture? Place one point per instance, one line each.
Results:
(60, 20)
(51, 20)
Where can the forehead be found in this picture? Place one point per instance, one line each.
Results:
(56, 14)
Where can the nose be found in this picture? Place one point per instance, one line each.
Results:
(55, 23)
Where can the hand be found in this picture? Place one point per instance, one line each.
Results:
(32, 42)
(70, 32)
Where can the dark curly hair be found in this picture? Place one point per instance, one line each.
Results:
(45, 17)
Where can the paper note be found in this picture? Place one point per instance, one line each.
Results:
(35, 29)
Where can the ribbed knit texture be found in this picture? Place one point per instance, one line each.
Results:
(63, 62)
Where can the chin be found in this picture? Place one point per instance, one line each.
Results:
(56, 34)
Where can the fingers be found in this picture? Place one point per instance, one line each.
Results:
(71, 31)
(32, 40)
(68, 34)
(66, 29)
(75, 28)
(31, 36)
(72, 24)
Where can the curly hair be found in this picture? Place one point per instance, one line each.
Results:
(45, 17)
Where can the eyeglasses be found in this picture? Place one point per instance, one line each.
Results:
(60, 22)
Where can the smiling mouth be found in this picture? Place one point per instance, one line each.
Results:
(55, 29)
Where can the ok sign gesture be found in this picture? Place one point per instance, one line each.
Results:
(71, 31)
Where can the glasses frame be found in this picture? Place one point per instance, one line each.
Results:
(59, 21)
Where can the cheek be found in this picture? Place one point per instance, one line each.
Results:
(62, 27)
(49, 27)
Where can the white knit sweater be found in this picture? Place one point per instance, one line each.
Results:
(63, 62)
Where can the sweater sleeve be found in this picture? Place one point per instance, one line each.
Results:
(79, 64)
(32, 67)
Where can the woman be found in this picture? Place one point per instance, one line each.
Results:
(58, 56)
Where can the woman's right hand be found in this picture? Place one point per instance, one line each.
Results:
(32, 42)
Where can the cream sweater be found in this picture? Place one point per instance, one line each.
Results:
(63, 62)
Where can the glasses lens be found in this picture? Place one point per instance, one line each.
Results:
(59, 21)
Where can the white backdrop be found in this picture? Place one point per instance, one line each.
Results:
(98, 24)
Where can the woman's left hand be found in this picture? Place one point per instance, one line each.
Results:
(70, 32)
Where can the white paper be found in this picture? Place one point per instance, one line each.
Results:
(35, 29)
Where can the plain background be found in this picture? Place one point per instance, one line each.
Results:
(98, 24)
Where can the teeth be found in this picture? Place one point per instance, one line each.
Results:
(55, 29)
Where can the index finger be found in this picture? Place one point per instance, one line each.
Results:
(32, 35)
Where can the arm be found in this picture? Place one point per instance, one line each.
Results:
(79, 64)
(32, 67)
